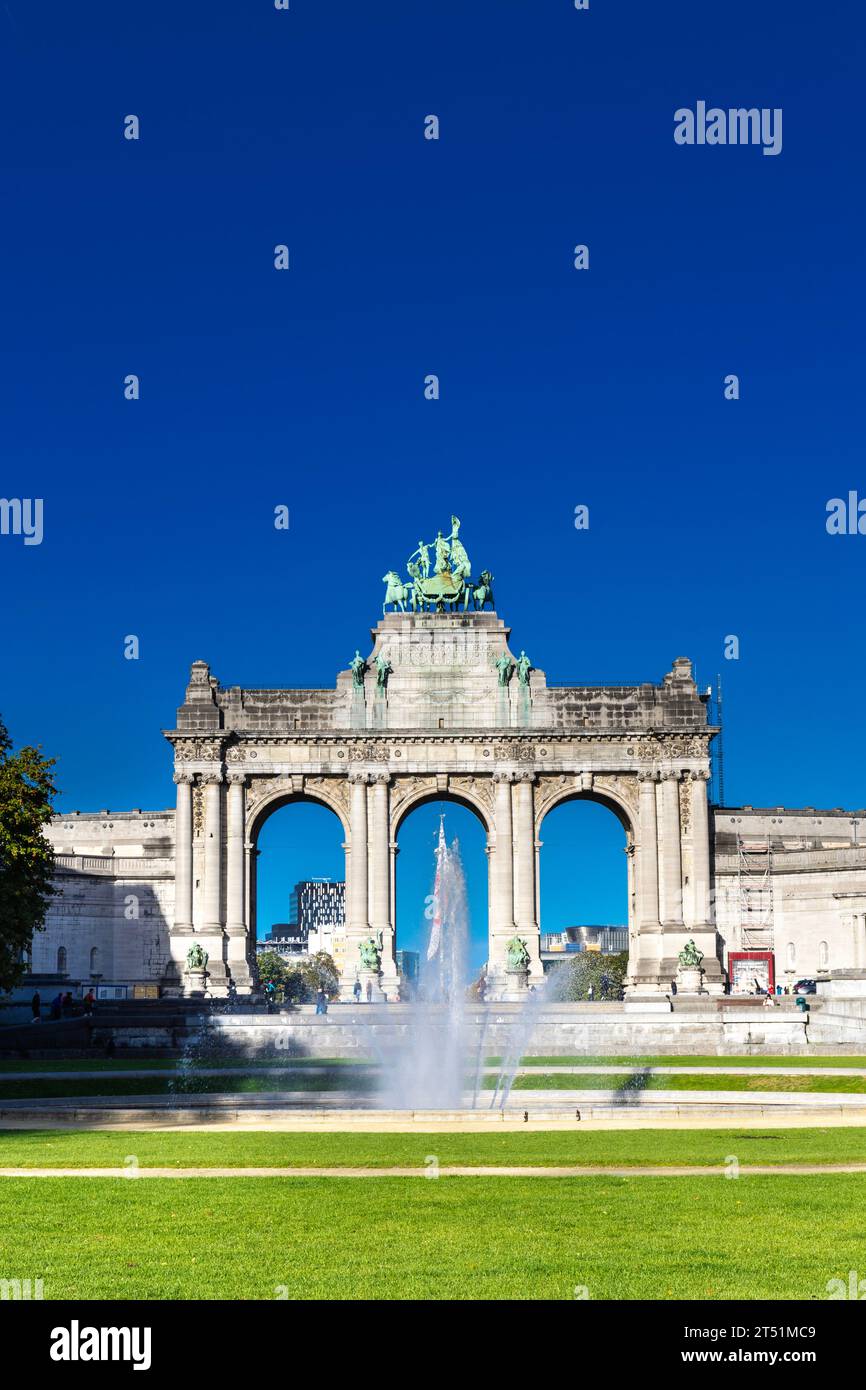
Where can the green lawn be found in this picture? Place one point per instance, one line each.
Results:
(160, 1148)
(182, 1085)
(638, 1081)
(806, 1059)
(276, 1059)
(229, 1083)
(455, 1238)
(12, 1065)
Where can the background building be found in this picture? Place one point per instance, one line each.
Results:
(606, 939)
(409, 965)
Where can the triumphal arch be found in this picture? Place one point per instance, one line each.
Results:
(442, 707)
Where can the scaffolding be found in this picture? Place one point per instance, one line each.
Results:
(755, 895)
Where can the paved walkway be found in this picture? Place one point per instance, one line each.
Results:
(131, 1171)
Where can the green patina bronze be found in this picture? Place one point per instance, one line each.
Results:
(690, 956)
(505, 667)
(524, 666)
(371, 952)
(196, 957)
(383, 671)
(358, 667)
(450, 586)
(516, 954)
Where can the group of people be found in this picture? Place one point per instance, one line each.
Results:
(62, 1005)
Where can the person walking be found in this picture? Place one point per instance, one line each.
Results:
(590, 993)
(321, 1001)
(88, 1004)
(369, 992)
(356, 990)
(36, 1006)
(56, 1005)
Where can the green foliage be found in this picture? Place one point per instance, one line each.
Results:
(26, 857)
(271, 968)
(320, 972)
(605, 973)
(299, 982)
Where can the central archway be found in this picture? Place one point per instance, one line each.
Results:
(304, 835)
(415, 830)
(598, 829)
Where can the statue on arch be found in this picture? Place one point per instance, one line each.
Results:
(371, 953)
(524, 666)
(197, 957)
(459, 559)
(358, 667)
(383, 671)
(516, 954)
(690, 956)
(505, 667)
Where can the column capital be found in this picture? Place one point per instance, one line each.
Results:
(525, 777)
(671, 774)
(210, 779)
(700, 775)
(183, 779)
(236, 779)
(503, 776)
(379, 779)
(358, 777)
(647, 777)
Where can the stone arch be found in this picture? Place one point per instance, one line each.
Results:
(604, 794)
(467, 796)
(612, 797)
(423, 795)
(276, 798)
(271, 800)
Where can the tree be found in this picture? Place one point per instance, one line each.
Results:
(26, 857)
(320, 972)
(605, 973)
(271, 968)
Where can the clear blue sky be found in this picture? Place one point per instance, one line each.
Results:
(707, 517)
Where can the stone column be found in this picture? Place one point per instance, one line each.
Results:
(182, 927)
(645, 949)
(357, 887)
(702, 927)
(648, 856)
(212, 927)
(700, 850)
(501, 870)
(524, 870)
(183, 853)
(380, 878)
(236, 915)
(672, 859)
(213, 792)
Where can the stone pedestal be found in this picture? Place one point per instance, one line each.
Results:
(371, 978)
(516, 986)
(195, 982)
(689, 980)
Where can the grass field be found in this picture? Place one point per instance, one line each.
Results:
(360, 1083)
(455, 1238)
(274, 1059)
(642, 1147)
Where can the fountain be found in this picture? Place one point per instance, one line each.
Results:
(439, 1064)
(430, 1069)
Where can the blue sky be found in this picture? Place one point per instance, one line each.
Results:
(558, 387)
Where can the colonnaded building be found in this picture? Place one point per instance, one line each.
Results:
(441, 708)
